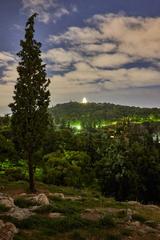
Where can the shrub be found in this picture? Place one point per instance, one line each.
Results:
(138, 217)
(107, 220)
(3, 208)
(23, 202)
(15, 174)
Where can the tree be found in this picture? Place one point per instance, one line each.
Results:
(31, 99)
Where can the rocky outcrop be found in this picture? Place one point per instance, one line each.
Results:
(7, 201)
(40, 199)
(7, 230)
(92, 215)
(20, 213)
(56, 195)
(62, 196)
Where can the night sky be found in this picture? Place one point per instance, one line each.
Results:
(104, 50)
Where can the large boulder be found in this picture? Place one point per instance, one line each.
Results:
(7, 230)
(56, 195)
(6, 201)
(40, 199)
(20, 213)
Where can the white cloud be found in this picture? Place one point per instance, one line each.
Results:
(76, 35)
(60, 55)
(8, 63)
(48, 10)
(111, 60)
(111, 41)
(135, 35)
(86, 78)
(6, 57)
(92, 49)
(10, 73)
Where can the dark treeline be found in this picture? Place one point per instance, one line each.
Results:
(122, 161)
(97, 112)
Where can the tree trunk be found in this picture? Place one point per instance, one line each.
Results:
(31, 174)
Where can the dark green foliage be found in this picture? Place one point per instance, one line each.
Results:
(7, 150)
(139, 218)
(113, 237)
(3, 208)
(77, 235)
(15, 174)
(131, 162)
(68, 168)
(23, 202)
(93, 114)
(31, 99)
(107, 221)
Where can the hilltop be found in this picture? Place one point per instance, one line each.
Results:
(101, 113)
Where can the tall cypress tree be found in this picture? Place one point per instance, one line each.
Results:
(31, 100)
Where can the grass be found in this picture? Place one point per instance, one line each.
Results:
(22, 202)
(72, 227)
(3, 208)
(107, 221)
(139, 218)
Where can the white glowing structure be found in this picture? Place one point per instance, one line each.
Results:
(84, 100)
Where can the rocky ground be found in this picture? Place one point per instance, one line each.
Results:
(62, 213)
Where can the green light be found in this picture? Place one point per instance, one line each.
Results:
(78, 127)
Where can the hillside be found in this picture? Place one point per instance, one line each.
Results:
(99, 112)
(56, 213)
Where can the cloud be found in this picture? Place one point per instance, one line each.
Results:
(77, 36)
(49, 10)
(84, 75)
(60, 55)
(8, 76)
(111, 60)
(97, 55)
(6, 57)
(135, 35)
(92, 49)
(8, 64)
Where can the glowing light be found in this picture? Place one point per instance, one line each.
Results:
(84, 100)
(78, 127)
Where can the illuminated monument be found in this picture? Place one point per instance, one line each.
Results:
(84, 100)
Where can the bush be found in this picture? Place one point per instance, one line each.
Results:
(15, 174)
(108, 221)
(23, 202)
(3, 208)
(138, 217)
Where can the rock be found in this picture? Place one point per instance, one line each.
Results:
(6, 201)
(1, 224)
(57, 195)
(92, 215)
(136, 224)
(40, 199)
(22, 194)
(7, 230)
(152, 206)
(158, 227)
(20, 213)
(73, 198)
(134, 203)
(56, 215)
(129, 214)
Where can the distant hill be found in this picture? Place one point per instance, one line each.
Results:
(98, 112)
